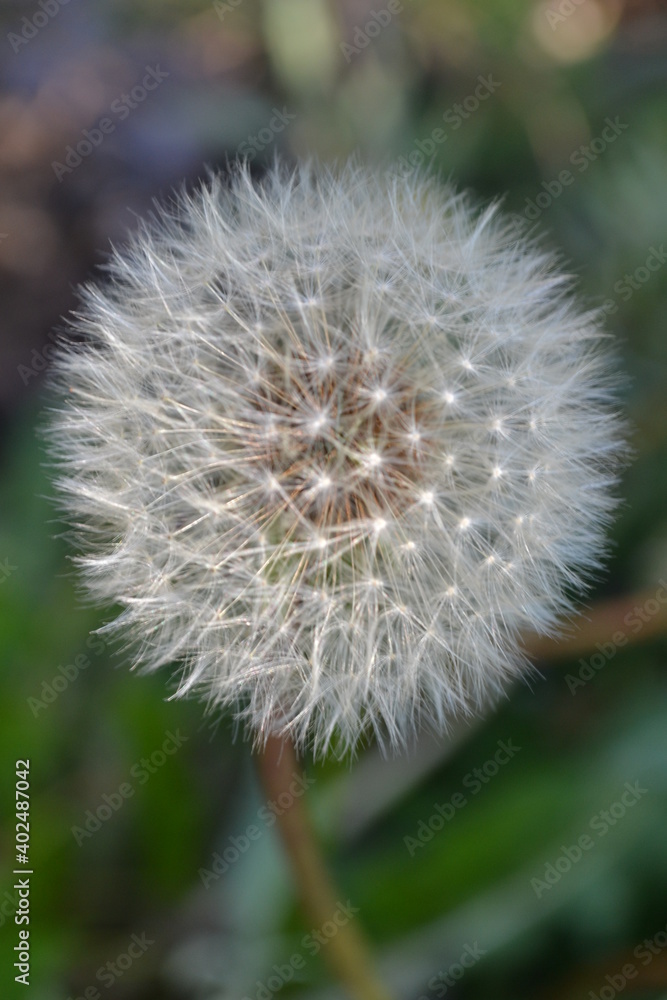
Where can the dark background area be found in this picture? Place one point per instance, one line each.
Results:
(561, 109)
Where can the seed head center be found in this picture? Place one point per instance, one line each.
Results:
(348, 439)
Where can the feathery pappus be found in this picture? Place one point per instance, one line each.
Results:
(333, 440)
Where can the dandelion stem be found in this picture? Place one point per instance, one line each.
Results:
(633, 615)
(346, 951)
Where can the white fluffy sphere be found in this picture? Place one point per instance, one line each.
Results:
(332, 442)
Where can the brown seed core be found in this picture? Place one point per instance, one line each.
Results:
(343, 442)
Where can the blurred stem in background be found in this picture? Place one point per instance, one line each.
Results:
(346, 951)
(630, 619)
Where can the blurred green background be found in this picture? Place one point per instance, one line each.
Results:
(559, 107)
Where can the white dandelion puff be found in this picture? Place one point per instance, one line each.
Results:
(332, 441)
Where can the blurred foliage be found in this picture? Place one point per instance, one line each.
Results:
(563, 70)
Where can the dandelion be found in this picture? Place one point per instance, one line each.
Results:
(332, 442)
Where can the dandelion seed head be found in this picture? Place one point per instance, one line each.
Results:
(332, 442)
